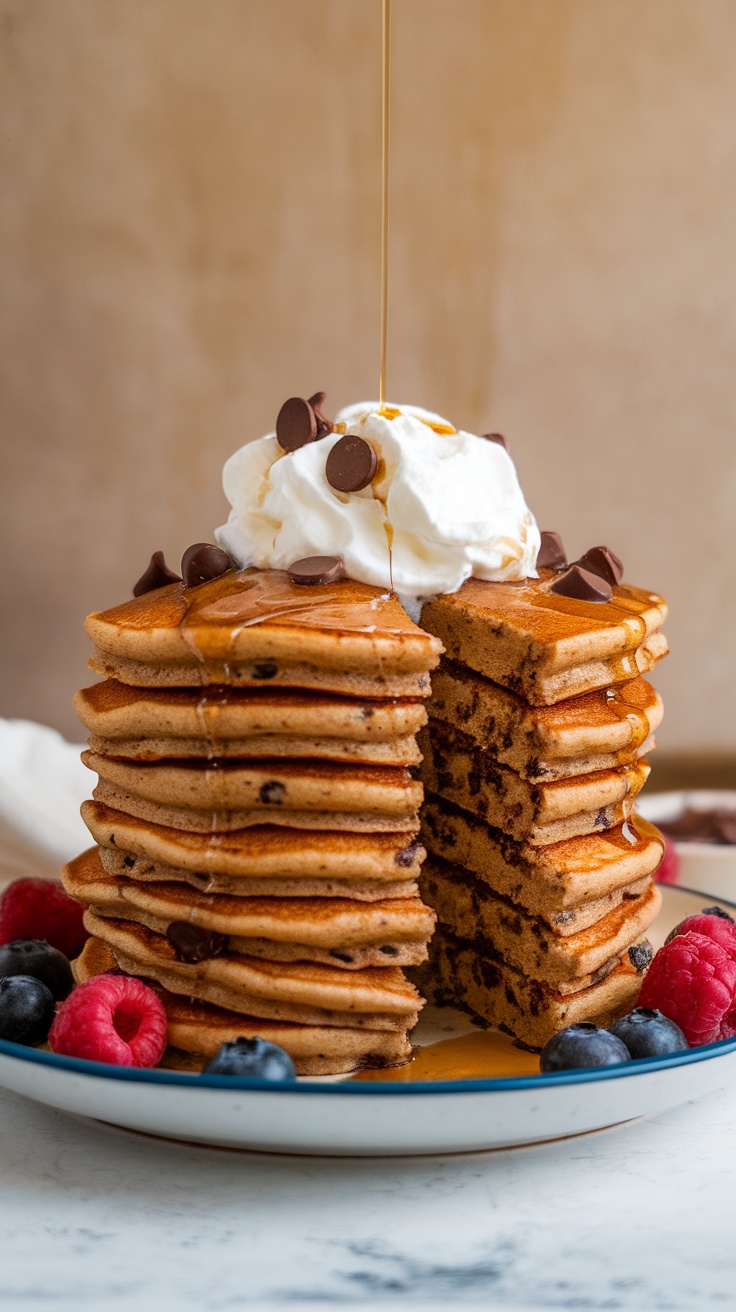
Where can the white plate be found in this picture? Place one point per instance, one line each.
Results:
(708, 868)
(356, 1119)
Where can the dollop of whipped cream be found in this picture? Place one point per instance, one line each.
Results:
(443, 505)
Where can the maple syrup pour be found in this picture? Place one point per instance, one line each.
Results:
(481, 1055)
(385, 138)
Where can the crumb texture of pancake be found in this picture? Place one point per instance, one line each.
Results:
(539, 868)
(255, 815)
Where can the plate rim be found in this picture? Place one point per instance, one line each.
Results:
(382, 1088)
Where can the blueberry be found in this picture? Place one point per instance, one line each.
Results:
(36, 957)
(582, 1045)
(648, 1033)
(253, 1057)
(26, 1010)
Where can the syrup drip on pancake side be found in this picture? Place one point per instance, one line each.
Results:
(623, 705)
(482, 1054)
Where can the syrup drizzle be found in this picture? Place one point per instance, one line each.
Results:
(482, 1054)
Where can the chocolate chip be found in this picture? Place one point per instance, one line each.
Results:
(552, 554)
(316, 569)
(340, 956)
(192, 943)
(203, 561)
(603, 562)
(156, 576)
(323, 425)
(407, 856)
(498, 438)
(640, 955)
(351, 464)
(389, 950)
(129, 861)
(265, 670)
(272, 793)
(296, 424)
(582, 585)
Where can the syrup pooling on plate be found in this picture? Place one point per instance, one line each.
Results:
(482, 1055)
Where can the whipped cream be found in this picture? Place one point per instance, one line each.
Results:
(444, 505)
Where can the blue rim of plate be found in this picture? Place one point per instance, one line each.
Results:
(369, 1088)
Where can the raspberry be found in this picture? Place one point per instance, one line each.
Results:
(668, 869)
(40, 909)
(112, 1018)
(711, 925)
(693, 981)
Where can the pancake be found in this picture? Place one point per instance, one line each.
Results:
(461, 772)
(460, 975)
(197, 1029)
(598, 731)
(216, 822)
(543, 646)
(402, 751)
(254, 625)
(114, 710)
(557, 882)
(339, 932)
(119, 862)
(302, 992)
(265, 787)
(265, 852)
(466, 907)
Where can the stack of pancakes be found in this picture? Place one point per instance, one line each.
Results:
(539, 871)
(256, 818)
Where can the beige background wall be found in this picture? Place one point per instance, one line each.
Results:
(189, 233)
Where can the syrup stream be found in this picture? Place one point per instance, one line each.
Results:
(385, 126)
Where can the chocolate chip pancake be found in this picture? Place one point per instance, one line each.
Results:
(597, 731)
(565, 883)
(268, 852)
(217, 795)
(460, 771)
(253, 627)
(461, 974)
(544, 646)
(155, 723)
(197, 1029)
(303, 992)
(531, 944)
(341, 932)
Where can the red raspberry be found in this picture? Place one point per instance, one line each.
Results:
(39, 908)
(668, 871)
(717, 928)
(693, 981)
(112, 1018)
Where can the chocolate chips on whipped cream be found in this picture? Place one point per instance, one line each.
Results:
(301, 421)
(351, 464)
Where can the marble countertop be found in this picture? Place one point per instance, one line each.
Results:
(637, 1217)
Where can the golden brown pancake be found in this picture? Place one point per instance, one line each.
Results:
(255, 626)
(546, 647)
(261, 852)
(339, 932)
(531, 945)
(461, 772)
(243, 792)
(304, 992)
(598, 731)
(557, 882)
(196, 1031)
(459, 974)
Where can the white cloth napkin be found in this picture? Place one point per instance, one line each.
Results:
(42, 785)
